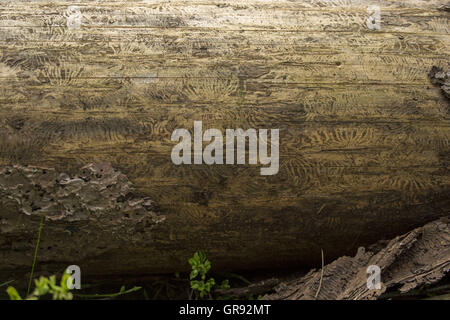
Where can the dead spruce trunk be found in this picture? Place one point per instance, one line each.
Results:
(364, 134)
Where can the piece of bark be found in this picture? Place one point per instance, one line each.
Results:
(419, 257)
(86, 214)
(441, 77)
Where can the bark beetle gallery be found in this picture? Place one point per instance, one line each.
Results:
(213, 152)
(92, 91)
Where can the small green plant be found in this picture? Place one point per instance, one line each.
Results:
(200, 285)
(45, 286)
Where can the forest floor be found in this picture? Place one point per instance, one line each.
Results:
(414, 265)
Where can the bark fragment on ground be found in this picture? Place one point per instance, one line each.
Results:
(421, 256)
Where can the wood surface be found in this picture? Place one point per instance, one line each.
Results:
(364, 135)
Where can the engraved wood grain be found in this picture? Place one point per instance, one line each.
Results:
(364, 135)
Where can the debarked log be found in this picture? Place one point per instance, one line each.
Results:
(361, 106)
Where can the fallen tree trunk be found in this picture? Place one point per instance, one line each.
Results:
(364, 135)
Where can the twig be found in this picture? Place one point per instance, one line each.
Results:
(6, 283)
(110, 295)
(321, 277)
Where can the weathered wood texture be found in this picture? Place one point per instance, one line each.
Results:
(364, 135)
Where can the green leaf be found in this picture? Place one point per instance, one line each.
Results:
(193, 274)
(13, 294)
(225, 284)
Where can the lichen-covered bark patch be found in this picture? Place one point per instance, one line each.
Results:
(96, 194)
